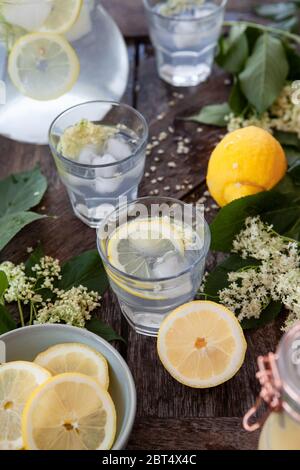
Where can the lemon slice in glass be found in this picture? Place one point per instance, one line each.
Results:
(132, 246)
(75, 357)
(62, 17)
(201, 344)
(43, 66)
(17, 381)
(69, 412)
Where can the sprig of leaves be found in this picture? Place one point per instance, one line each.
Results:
(260, 59)
(283, 14)
(18, 194)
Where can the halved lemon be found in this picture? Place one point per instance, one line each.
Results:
(75, 357)
(69, 412)
(43, 66)
(131, 245)
(62, 17)
(201, 344)
(17, 381)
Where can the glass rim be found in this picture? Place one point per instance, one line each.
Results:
(143, 139)
(150, 9)
(150, 280)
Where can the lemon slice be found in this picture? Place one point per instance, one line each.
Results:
(62, 17)
(132, 246)
(17, 381)
(75, 357)
(69, 412)
(201, 344)
(43, 66)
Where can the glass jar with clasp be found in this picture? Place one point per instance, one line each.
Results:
(279, 376)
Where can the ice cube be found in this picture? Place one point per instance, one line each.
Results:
(82, 26)
(186, 35)
(169, 265)
(105, 172)
(29, 16)
(118, 148)
(107, 185)
(87, 154)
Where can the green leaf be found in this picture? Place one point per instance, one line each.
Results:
(3, 283)
(287, 138)
(18, 194)
(87, 270)
(279, 207)
(102, 329)
(7, 323)
(237, 100)
(234, 50)
(292, 155)
(265, 72)
(214, 114)
(34, 259)
(11, 224)
(290, 24)
(267, 316)
(293, 58)
(22, 191)
(276, 11)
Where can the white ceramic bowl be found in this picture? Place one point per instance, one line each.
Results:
(25, 343)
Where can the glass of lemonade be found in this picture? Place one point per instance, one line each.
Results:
(185, 34)
(99, 150)
(53, 55)
(154, 252)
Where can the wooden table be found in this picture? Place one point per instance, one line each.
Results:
(169, 415)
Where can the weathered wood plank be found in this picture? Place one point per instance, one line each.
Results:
(191, 434)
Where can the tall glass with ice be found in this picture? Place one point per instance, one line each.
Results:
(185, 34)
(99, 149)
(154, 253)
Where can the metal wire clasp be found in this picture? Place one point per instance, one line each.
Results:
(270, 393)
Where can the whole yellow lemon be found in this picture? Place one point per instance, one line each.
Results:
(247, 161)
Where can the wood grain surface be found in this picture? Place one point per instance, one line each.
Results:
(169, 415)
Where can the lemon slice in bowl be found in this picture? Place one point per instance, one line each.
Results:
(62, 16)
(17, 381)
(201, 344)
(43, 66)
(75, 357)
(132, 245)
(69, 412)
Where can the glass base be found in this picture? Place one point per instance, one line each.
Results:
(144, 323)
(184, 76)
(93, 215)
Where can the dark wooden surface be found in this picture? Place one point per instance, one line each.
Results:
(169, 415)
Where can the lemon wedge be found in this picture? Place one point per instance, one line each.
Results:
(69, 412)
(201, 344)
(75, 357)
(63, 15)
(17, 381)
(43, 66)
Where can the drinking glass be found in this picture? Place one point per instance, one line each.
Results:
(185, 42)
(146, 301)
(96, 188)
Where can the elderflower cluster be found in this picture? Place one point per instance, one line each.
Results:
(72, 307)
(48, 270)
(20, 286)
(276, 277)
(284, 115)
